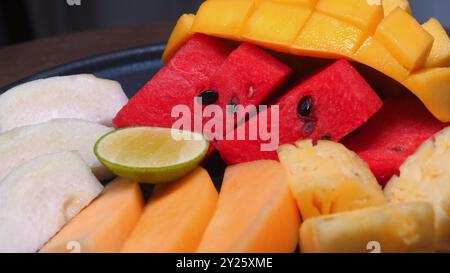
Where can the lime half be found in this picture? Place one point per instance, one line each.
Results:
(151, 154)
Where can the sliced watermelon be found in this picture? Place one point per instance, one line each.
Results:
(185, 76)
(246, 77)
(329, 105)
(392, 135)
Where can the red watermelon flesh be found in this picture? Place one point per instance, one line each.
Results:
(392, 135)
(247, 76)
(185, 76)
(340, 101)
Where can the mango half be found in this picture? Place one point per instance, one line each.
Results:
(380, 34)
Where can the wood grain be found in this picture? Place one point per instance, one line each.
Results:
(25, 59)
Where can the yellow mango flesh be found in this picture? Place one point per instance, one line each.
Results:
(175, 216)
(275, 23)
(375, 55)
(432, 87)
(391, 5)
(405, 38)
(440, 53)
(327, 178)
(406, 227)
(222, 18)
(301, 3)
(359, 13)
(105, 224)
(325, 36)
(180, 34)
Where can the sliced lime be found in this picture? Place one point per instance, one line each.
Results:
(151, 154)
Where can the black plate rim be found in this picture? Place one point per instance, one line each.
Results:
(124, 55)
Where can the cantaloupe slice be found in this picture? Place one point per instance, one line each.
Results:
(175, 217)
(104, 225)
(256, 212)
(180, 34)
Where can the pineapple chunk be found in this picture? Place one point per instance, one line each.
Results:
(180, 34)
(360, 13)
(405, 38)
(394, 228)
(440, 53)
(425, 176)
(328, 178)
(391, 5)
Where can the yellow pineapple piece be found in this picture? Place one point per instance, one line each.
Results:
(360, 13)
(375, 55)
(432, 87)
(405, 38)
(327, 178)
(440, 53)
(275, 23)
(180, 34)
(324, 36)
(425, 176)
(391, 5)
(395, 228)
(223, 18)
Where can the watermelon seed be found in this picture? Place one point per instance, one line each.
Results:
(326, 137)
(308, 127)
(305, 106)
(209, 97)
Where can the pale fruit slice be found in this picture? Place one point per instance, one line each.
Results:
(78, 96)
(105, 224)
(151, 154)
(175, 217)
(395, 228)
(38, 198)
(22, 144)
(255, 213)
(328, 178)
(425, 176)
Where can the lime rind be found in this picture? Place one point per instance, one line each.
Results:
(151, 175)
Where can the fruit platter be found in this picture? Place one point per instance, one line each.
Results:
(270, 126)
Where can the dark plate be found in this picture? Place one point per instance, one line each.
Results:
(132, 68)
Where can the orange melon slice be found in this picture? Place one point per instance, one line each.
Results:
(175, 217)
(105, 224)
(256, 212)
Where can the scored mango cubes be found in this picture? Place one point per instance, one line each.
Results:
(223, 18)
(275, 23)
(301, 3)
(180, 34)
(440, 53)
(359, 13)
(432, 86)
(325, 36)
(390, 5)
(375, 55)
(405, 38)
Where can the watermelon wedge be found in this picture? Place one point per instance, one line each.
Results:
(206, 68)
(392, 135)
(329, 105)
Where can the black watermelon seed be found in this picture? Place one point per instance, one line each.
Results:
(308, 128)
(209, 97)
(305, 107)
(326, 137)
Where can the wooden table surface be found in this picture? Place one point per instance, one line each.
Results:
(19, 61)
